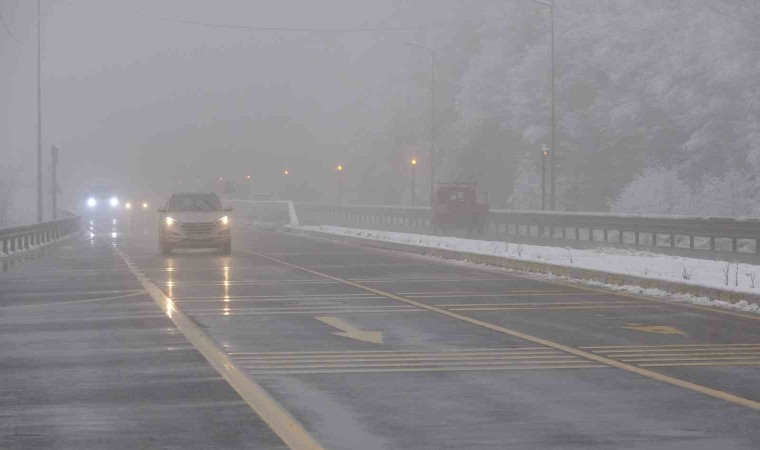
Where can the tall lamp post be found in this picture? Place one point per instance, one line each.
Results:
(285, 186)
(39, 115)
(340, 182)
(553, 146)
(433, 58)
(544, 155)
(413, 163)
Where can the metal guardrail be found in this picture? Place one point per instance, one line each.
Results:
(280, 212)
(714, 237)
(25, 237)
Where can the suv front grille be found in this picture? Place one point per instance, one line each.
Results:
(198, 227)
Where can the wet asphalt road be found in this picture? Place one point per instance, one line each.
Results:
(359, 368)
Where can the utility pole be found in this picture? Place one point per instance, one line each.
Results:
(554, 122)
(544, 154)
(340, 183)
(413, 163)
(432, 114)
(553, 163)
(432, 127)
(39, 115)
(54, 188)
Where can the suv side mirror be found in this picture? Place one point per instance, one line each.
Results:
(162, 210)
(228, 209)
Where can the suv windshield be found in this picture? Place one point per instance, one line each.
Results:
(100, 190)
(195, 202)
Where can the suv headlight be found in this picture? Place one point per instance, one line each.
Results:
(170, 221)
(91, 202)
(114, 202)
(224, 221)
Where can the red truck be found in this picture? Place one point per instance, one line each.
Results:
(456, 205)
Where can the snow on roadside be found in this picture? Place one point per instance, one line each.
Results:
(708, 273)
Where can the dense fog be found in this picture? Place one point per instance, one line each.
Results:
(657, 103)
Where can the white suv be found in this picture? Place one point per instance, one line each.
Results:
(194, 220)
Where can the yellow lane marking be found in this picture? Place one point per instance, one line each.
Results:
(541, 308)
(616, 293)
(421, 280)
(310, 312)
(541, 341)
(243, 283)
(73, 302)
(302, 300)
(657, 329)
(338, 365)
(351, 332)
(287, 427)
(495, 294)
(303, 308)
(409, 357)
(278, 297)
(748, 351)
(676, 346)
(756, 363)
(691, 358)
(513, 274)
(394, 355)
(583, 365)
(374, 352)
(41, 293)
(530, 304)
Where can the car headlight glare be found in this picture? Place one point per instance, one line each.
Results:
(224, 220)
(128, 205)
(114, 202)
(145, 205)
(91, 202)
(170, 221)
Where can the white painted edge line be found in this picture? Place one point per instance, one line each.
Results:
(287, 427)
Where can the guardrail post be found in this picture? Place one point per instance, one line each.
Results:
(712, 243)
(734, 247)
(5, 245)
(691, 242)
(672, 240)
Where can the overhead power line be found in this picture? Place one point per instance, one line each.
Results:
(302, 30)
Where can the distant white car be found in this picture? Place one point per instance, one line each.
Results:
(101, 201)
(194, 220)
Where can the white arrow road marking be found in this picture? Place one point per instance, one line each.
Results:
(373, 337)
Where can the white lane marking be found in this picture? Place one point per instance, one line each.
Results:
(72, 302)
(351, 332)
(580, 365)
(287, 427)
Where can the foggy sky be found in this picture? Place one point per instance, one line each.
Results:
(133, 97)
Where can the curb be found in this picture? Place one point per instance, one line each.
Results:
(673, 287)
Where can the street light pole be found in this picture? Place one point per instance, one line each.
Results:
(413, 163)
(433, 58)
(39, 115)
(54, 180)
(544, 154)
(340, 183)
(554, 121)
(552, 161)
